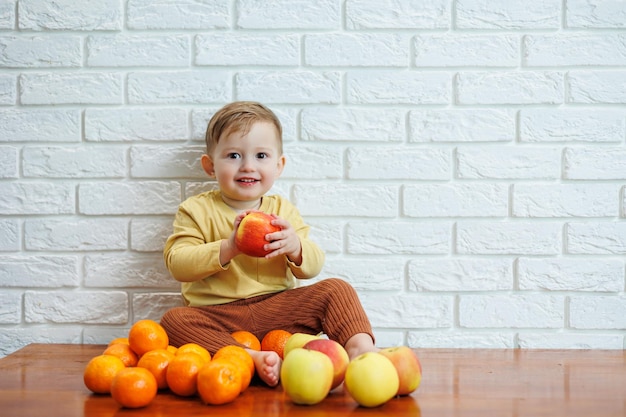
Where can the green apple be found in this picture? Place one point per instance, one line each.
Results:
(408, 366)
(306, 376)
(371, 379)
(297, 340)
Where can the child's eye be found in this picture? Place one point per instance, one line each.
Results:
(262, 155)
(233, 155)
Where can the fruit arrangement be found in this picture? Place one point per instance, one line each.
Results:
(371, 379)
(133, 369)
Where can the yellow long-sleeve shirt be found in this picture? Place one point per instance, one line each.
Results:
(192, 253)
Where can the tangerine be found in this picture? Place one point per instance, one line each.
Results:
(182, 374)
(156, 361)
(122, 351)
(242, 359)
(275, 340)
(100, 371)
(247, 339)
(194, 348)
(147, 335)
(134, 387)
(219, 382)
(172, 349)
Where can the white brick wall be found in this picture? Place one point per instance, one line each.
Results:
(462, 162)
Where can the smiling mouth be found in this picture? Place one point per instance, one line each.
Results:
(247, 180)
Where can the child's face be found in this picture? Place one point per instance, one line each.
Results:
(246, 166)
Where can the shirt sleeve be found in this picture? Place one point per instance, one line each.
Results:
(188, 256)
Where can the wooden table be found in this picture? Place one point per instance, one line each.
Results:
(46, 380)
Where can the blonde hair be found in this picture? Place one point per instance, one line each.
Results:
(239, 116)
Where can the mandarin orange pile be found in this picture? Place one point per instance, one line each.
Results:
(133, 369)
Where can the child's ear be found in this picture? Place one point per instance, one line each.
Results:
(281, 164)
(207, 165)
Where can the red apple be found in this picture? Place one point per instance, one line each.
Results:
(408, 366)
(250, 236)
(337, 354)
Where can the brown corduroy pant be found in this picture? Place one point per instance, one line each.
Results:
(330, 306)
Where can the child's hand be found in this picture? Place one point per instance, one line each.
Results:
(285, 242)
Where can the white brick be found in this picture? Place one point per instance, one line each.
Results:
(288, 14)
(505, 14)
(39, 271)
(594, 163)
(76, 234)
(327, 234)
(330, 124)
(142, 197)
(10, 308)
(445, 125)
(389, 338)
(595, 14)
(14, 338)
(508, 238)
(40, 51)
(8, 89)
(10, 236)
(178, 14)
(346, 200)
(40, 125)
(149, 234)
(123, 271)
(601, 312)
(512, 311)
(90, 307)
(408, 163)
(454, 50)
(565, 200)
(460, 340)
(241, 49)
(192, 87)
(289, 87)
(390, 87)
(508, 163)
(367, 274)
(36, 198)
(182, 161)
(130, 124)
(73, 162)
(456, 200)
(572, 49)
(152, 306)
(567, 274)
(8, 162)
(571, 125)
(313, 162)
(570, 341)
(596, 87)
(437, 274)
(356, 50)
(136, 50)
(374, 14)
(510, 87)
(102, 334)
(596, 238)
(7, 14)
(86, 15)
(421, 311)
(71, 88)
(398, 237)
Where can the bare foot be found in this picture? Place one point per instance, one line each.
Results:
(267, 364)
(360, 343)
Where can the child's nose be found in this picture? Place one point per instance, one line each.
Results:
(247, 164)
